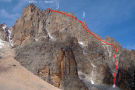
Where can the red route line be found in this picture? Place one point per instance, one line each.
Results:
(86, 28)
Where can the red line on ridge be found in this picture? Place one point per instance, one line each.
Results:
(86, 28)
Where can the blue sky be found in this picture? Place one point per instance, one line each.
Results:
(114, 18)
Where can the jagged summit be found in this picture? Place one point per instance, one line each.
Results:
(30, 8)
(34, 20)
(31, 5)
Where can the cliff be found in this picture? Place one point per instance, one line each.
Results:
(58, 49)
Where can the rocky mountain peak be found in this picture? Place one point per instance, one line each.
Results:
(31, 8)
(58, 49)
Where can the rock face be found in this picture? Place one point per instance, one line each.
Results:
(126, 70)
(68, 71)
(56, 48)
(31, 25)
(3, 34)
(52, 61)
(15, 77)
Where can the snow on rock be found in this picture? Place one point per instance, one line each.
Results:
(51, 37)
(92, 82)
(5, 49)
(93, 65)
(1, 43)
(108, 48)
(92, 74)
(92, 77)
(7, 32)
(82, 44)
(88, 77)
(9, 36)
(4, 27)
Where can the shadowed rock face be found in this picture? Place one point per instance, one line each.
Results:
(53, 62)
(126, 71)
(57, 48)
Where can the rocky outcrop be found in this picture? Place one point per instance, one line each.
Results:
(14, 76)
(30, 26)
(54, 62)
(68, 71)
(67, 76)
(3, 34)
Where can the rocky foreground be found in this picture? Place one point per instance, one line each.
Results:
(13, 76)
(57, 49)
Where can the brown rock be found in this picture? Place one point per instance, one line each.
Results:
(67, 75)
(30, 25)
(60, 67)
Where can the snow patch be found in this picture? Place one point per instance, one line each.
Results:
(82, 44)
(92, 82)
(9, 31)
(92, 76)
(1, 43)
(92, 73)
(50, 36)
